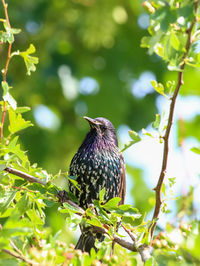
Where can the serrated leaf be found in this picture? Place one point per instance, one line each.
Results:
(17, 123)
(30, 61)
(8, 36)
(7, 96)
(6, 198)
(172, 181)
(156, 123)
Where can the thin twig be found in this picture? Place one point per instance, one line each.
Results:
(16, 248)
(5, 71)
(168, 129)
(129, 233)
(17, 256)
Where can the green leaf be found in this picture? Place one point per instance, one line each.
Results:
(7, 96)
(72, 208)
(145, 132)
(35, 217)
(163, 189)
(134, 135)
(13, 147)
(6, 198)
(196, 150)
(2, 167)
(17, 123)
(159, 88)
(156, 123)
(170, 86)
(172, 181)
(145, 42)
(102, 194)
(22, 109)
(94, 221)
(23, 204)
(30, 61)
(174, 41)
(135, 138)
(8, 35)
(112, 203)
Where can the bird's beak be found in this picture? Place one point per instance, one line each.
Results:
(93, 123)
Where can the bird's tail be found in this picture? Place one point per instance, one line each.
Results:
(87, 241)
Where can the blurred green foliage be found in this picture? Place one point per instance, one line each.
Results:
(88, 37)
(89, 61)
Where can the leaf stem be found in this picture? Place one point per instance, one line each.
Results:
(168, 129)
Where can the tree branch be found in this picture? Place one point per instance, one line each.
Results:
(143, 250)
(26, 176)
(19, 257)
(168, 129)
(63, 197)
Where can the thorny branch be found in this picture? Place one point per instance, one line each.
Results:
(5, 70)
(169, 125)
(62, 196)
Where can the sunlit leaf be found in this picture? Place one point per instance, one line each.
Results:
(159, 88)
(7, 96)
(30, 61)
(112, 203)
(6, 198)
(17, 123)
(2, 167)
(174, 41)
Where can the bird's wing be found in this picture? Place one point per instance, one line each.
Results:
(122, 191)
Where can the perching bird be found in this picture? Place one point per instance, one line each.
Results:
(97, 164)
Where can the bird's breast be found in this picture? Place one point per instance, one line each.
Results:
(96, 169)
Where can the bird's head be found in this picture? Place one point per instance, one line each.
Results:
(103, 128)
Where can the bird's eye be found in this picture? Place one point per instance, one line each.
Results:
(103, 128)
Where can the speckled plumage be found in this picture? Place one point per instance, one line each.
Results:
(98, 164)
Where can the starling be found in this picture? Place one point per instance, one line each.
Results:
(97, 164)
